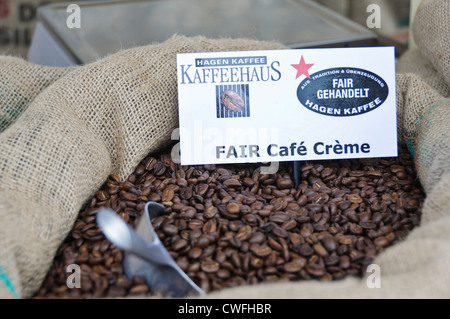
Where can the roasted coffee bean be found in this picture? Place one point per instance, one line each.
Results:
(381, 241)
(128, 196)
(356, 229)
(209, 266)
(256, 237)
(231, 225)
(167, 195)
(179, 244)
(244, 233)
(260, 250)
(247, 181)
(284, 183)
(170, 229)
(139, 290)
(102, 195)
(329, 242)
(368, 225)
(232, 183)
(344, 262)
(159, 168)
(305, 250)
(195, 252)
(315, 269)
(332, 260)
(355, 254)
(346, 240)
(353, 198)
(289, 224)
(210, 212)
(203, 242)
(295, 265)
(320, 250)
(195, 224)
(233, 208)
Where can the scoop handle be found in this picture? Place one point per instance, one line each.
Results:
(123, 236)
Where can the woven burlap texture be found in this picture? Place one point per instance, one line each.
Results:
(412, 62)
(20, 83)
(98, 119)
(432, 34)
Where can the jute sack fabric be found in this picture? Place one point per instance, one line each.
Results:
(98, 119)
(432, 34)
(20, 83)
(412, 62)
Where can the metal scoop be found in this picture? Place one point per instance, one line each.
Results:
(145, 255)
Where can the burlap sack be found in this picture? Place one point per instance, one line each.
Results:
(20, 83)
(99, 119)
(432, 33)
(412, 62)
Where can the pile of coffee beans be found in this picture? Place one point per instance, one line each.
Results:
(230, 225)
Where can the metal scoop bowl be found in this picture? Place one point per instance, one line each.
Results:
(144, 254)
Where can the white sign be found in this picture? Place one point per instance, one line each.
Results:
(286, 105)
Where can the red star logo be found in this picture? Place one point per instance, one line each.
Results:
(302, 68)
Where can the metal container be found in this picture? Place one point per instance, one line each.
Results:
(110, 26)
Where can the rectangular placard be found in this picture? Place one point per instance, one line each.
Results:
(287, 105)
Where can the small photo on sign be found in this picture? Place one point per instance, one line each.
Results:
(232, 101)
